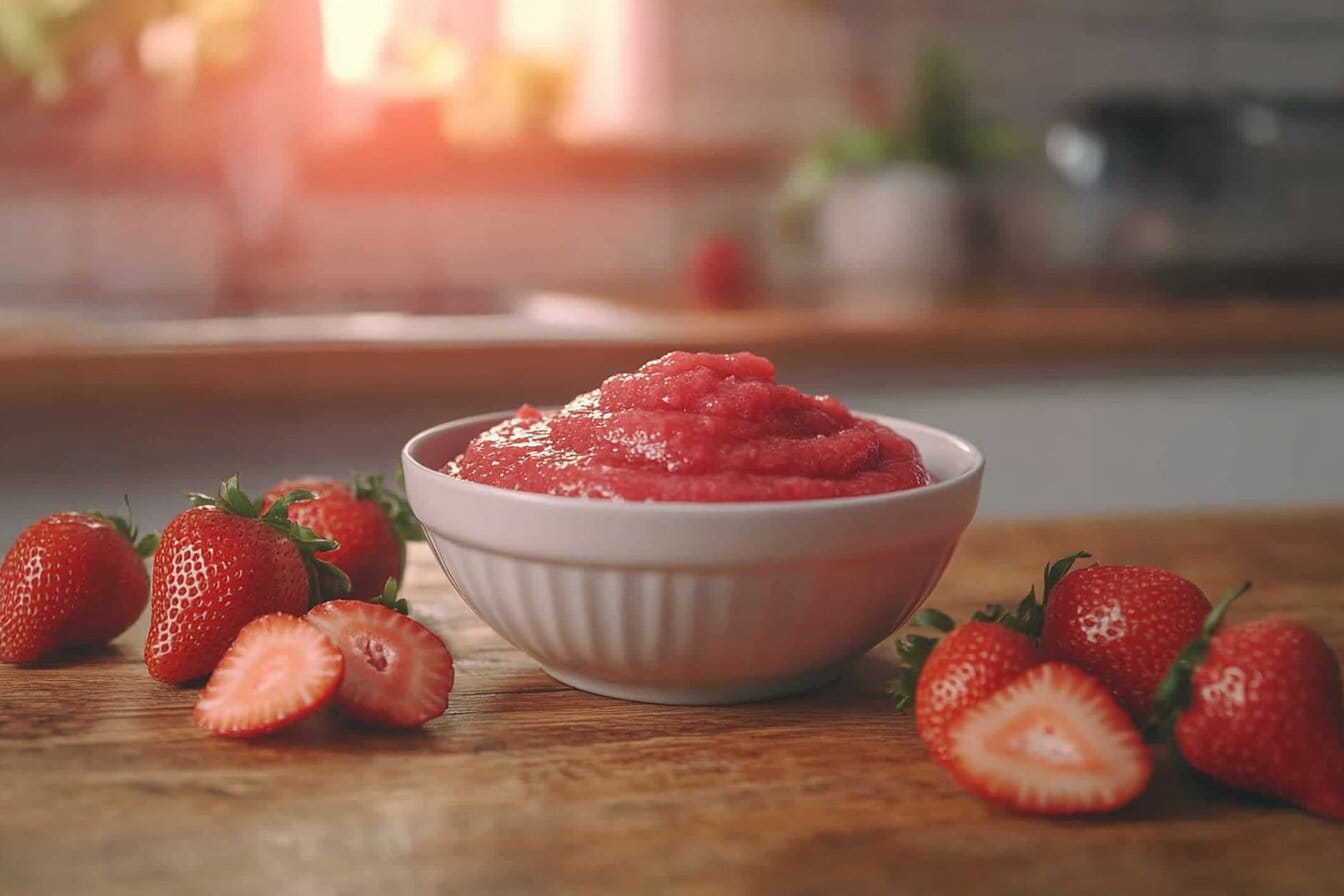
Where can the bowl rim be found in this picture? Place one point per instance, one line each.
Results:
(665, 508)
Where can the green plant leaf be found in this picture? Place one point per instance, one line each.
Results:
(940, 128)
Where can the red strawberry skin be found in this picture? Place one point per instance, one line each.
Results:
(370, 551)
(1124, 625)
(213, 573)
(1265, 715)
(70, 580)
(968, 665)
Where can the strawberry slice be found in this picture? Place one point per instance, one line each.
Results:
(1052, 741)
(398, 674)
(277, 671)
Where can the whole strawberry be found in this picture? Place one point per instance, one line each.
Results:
(220, 565)
(1123, 625)
(969, 664)
(370, 522)
(71, 580)
(942, 679)
(1257, 706)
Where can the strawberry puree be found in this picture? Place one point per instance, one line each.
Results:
(694, 427)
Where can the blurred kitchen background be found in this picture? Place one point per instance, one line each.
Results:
(1105, 241)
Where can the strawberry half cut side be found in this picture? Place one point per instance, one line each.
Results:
(1051, 742)
(277, 671)
(398, 674)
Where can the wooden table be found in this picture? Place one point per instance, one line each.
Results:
(527, 786)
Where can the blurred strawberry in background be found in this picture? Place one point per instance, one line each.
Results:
(722, 272)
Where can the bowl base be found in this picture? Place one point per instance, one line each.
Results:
(700, 695)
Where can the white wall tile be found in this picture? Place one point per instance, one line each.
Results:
(752, 69)
(1030, 71)
(1306, 66)
(1097, 13)
(1252, 12)
(147, 245)
(365, 243)
(38, 242)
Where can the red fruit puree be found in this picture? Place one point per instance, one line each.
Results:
(694, 427)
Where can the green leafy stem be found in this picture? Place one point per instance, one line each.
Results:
(394, 504)
(1173, 694)
(390, 599)
(325, 580)
(144, 545)
(1026, 618)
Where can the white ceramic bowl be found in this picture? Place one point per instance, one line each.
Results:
(692, 603)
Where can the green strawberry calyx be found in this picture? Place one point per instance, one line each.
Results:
(1027, 618)
(912, 652)
(325, 580)
(1173, 694)
(394, 504)
(144, 545)
(390, 600)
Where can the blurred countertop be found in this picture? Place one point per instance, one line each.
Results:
(554, 345)
(389, 167)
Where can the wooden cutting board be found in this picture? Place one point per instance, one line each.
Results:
(526, 786)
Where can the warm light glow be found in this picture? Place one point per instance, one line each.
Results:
(605, 86)
(621, 78)
(353, 35)
(539, 27)
(169, 47)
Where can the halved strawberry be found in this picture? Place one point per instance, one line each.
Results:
(398, 674)
(1051, 742)
(968, 664)
(277, 671)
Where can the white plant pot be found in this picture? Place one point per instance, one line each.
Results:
(894, 235)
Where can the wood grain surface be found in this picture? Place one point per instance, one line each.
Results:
(526, 786)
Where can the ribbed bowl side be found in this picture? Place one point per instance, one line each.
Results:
(688, 628)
